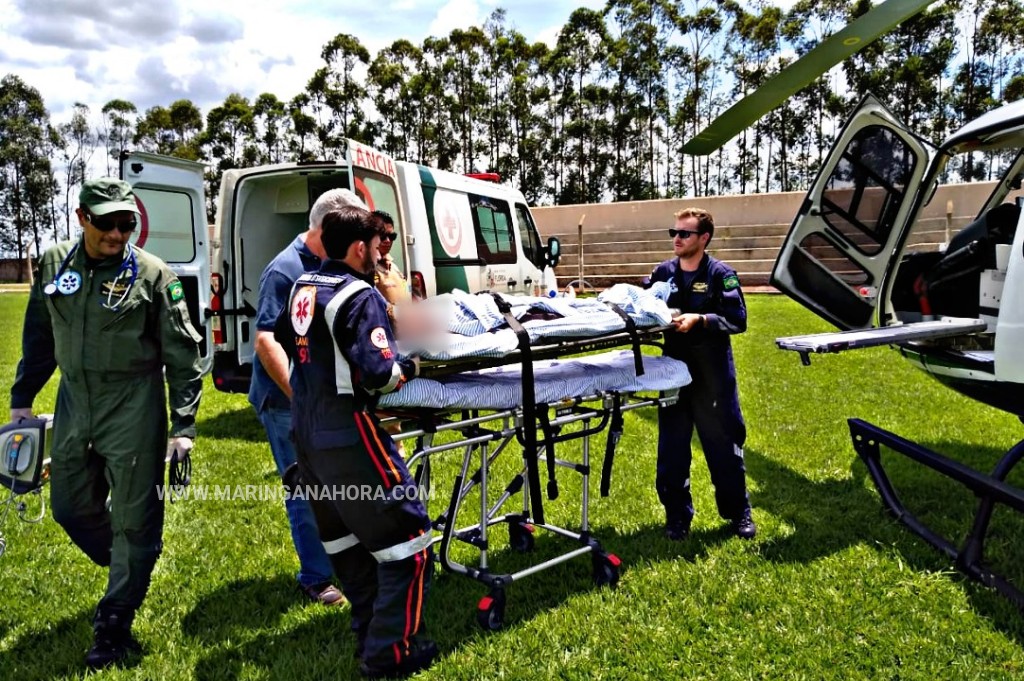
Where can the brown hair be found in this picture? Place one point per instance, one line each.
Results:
(705, 221)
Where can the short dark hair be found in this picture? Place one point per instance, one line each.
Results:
(385, 216)
(345, 226)
(705, 222)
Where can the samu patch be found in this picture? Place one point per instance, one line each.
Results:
(176, 291)
(303, 306)
(731, 282)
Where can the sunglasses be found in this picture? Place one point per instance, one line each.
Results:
(683, 234)
(389, 236)
(105, 223)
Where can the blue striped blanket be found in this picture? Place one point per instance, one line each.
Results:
(554, 380)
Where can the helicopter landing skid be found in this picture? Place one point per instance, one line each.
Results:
(990, 490)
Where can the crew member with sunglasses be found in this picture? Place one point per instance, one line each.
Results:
(113, 318)
(388, 277)
(707, 291)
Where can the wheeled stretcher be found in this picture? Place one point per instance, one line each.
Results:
(538, 398)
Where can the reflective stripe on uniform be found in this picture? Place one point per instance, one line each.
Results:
(396, 377)
(342, 370)
(404, 550)
(339, 545)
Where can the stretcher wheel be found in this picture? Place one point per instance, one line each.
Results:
(606, 569)
(520, 536)
(490, 611)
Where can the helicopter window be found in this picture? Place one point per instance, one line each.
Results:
(866, 188)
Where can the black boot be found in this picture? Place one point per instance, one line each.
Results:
(113, 642)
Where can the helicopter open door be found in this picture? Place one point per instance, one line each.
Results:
(843, 239)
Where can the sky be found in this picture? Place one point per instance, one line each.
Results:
(153, 53)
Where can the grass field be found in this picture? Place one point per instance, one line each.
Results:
(830, 588)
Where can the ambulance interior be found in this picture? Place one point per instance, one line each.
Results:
(270, 211)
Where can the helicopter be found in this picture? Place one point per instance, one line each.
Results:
(851, 257)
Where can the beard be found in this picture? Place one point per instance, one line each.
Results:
(369, 262)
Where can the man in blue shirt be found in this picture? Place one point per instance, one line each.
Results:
(707, 292)
(270, 393)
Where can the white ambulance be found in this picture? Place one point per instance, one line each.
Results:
(472, 233)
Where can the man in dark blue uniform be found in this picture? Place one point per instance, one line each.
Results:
(371, 521)
(707, 292)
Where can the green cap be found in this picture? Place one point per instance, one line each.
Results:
(107, 195)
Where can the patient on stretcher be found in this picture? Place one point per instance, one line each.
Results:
(458, 324)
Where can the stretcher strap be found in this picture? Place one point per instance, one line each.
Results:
(638, 361)
(529, 407)
(549, 449)
(614, 435)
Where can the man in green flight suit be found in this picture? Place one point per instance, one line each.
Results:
(113, 318)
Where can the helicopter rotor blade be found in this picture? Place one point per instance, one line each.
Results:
(852, 38)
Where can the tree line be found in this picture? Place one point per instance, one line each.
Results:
(599, 116)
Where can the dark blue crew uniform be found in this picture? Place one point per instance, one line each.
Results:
(711, 402)
(371, 522)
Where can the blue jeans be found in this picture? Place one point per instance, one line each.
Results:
(314, 566)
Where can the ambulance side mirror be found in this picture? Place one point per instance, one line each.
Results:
(553, 252)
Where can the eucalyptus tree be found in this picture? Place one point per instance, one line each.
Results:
(119, 120)
(528, 91)
(467, 95)
(388, 83)
(26, 176)
(577, 67)
(502, 52)
(636, 61)
(807, 24)
(76, 146)
(227, 141)
(302, 144)
(696, 72)
(437, 140)
(905, 67)
(340, 88)
(270, 128)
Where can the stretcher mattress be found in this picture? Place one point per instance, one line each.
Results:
(554, 380)
(475, 327)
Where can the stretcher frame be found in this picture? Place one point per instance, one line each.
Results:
(486, 435)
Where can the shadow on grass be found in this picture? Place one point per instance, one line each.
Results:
(57, 650)
(250, 611)
(828, 516)
(238, 424)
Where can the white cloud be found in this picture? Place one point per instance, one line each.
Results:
(456, 14)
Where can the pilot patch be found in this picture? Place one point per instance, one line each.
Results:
(303, 304)
(113, 288)
(700, 287)
(379, 338)
(731, 282)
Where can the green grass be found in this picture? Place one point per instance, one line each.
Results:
(831, 587)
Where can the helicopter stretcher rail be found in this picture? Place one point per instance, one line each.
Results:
(570, 399)
(841, 341)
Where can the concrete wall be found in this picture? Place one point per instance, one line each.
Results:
(622, 242)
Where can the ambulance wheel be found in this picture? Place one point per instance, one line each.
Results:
(490, 611)
(606, 569)
(520, 537)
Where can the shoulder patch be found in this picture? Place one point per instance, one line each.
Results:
(379, 338)
(731, 282)
(303, 305)
(175, 291)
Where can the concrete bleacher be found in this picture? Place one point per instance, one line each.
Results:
(623, 242)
